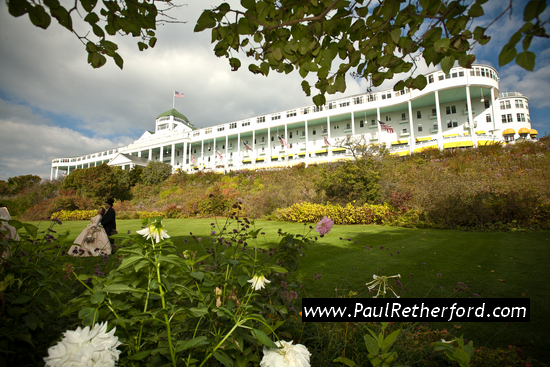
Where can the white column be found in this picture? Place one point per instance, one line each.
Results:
(68, 169)
(439, 127)
(307, 142)
(269, 152)
(173, 155)
(238, 158)
(379, 127)
(150, 154)
(139, 153)
(184, 156)
(161, 153)
(353, 124)
(411, 123)
(202, 153)
(470, 116)
(56, 172)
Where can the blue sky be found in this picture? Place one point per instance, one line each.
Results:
(53, 104)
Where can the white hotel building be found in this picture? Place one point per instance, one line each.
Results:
(462, 109)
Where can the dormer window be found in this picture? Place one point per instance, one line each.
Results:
(162, 127)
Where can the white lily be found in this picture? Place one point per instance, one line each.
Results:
(381, 283)
(154, 230)
(258, 282)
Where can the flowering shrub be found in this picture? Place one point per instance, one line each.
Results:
(310, 213)
(89, 214)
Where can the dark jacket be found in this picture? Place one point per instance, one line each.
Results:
(109, 221)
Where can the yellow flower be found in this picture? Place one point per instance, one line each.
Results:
(154, 230)
(258, 282)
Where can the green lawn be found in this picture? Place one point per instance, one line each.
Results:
(508, 265)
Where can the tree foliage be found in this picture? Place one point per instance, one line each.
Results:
(351, 181)
(14, 185)
(98, 182)
(156, 172)
(136, 18)
(371, 39)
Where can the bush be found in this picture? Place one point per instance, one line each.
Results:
(311, 213)
(156, 172)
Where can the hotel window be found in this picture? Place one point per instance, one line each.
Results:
(263, 139)
(208, 130)
(233, 125)
(503, 119)
(454, 75)
(348, 126)
(434, 112)
(477, 72)
(519, 103)
(372, 97)
(221, 128)
(472, 73)
(450, 109)
(361, 123)
(247, 123)
(209, 149)
(460, 73)
(509, 137)
(290, 113)
(358, 100)
(336, 127)
(230, 145)
(521, 117)
(487, 104)
(260, 120)
(373, 122)
(290, 135)
(509, 117)
(314, 132)
(449, 124)
(196, 133)
(482, 72)
(195, 151)
(488, 118)
(419, 128)
(403, 117)
(430, 79)
(508, 104)
(418, 114)
(305, 111)
(502, 105)
(441, 77)
(272, 138)
(447, 76)
(344, 104)
(388, 118)
(317, 108)
(331, 105)
(404, 131)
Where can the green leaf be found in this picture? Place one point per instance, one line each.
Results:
(319, 100)
(140, 355)
(88, 5)
(31, 229)
(206, 20)
(87, 315)
(372, 344)
(223, 358)
(447, 63)
(18, 7)
(506, 55)
(442, 45)
(344, 360)
(243, 279)
(475, 11)
(120, 288)
(526, 60)
(390, 339)
(278, 269)
(195, 342)
(197, 275)
(39, 17)
(129, 261)
(249, 4)
(91, 18)
(31, 321)
(533, 9)
(395, 35)
(97, 298)
(420, 82)
(21, 299)
(263, 338)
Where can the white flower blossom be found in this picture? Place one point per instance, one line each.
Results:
(381, 283)
(258, 282)
(288, 356)
(154, 230)
(85, 347)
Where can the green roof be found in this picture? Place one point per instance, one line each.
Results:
(174, 113)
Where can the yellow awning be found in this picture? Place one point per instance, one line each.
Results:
(321, 151)
(302, 154)
(523, 130)
(508, 132)
(446, 136)
(274, 157)
(247, 160)
(338, 149)
(406, 152)
(480, 132)
(424, 138)
(533, 132)
(466, 133)
(396, 142)
(417, 150)
(457, 144)
(260, 159)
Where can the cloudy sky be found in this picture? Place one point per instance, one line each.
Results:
(53, 104)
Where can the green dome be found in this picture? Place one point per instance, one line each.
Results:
(174, 113)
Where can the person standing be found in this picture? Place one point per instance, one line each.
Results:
(109, 220)
(93, 240)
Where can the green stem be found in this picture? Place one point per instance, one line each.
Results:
(223, 340)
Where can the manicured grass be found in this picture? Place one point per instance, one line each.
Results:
(493, 265)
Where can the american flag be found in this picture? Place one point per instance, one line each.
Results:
(283, 141)
(192, 160)
(219, 155)
(248, 147)
(326, 140)
(385, 127)
(178, 95)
